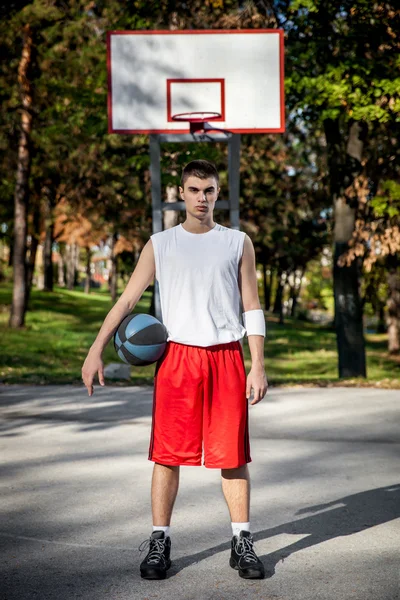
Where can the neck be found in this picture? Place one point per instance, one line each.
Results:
(194, 225)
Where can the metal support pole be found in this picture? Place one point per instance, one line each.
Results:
(155, 174)
(234, 179)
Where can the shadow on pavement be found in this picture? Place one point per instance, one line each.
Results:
(109, 407)
(359, 512)
(101, 575)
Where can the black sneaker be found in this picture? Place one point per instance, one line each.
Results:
(157, 561)
(244, 559)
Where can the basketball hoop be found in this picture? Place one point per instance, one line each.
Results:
(198, 121)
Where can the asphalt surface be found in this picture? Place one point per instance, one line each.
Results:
(75, 499)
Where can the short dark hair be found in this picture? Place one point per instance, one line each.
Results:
(203, 169)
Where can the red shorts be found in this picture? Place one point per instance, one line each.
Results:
(200, 396)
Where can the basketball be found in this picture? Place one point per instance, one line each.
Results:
(140, 339)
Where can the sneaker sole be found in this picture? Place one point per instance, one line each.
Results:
(155, 573)
(248, 574)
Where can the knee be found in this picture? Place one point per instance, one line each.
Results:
(236, 473)
(168, 467)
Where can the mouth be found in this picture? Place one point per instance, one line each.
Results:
(201, 208)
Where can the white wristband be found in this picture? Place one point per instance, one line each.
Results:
(254, 322)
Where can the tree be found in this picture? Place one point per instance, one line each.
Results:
(376, 240)
(21, 194)
(341, 67)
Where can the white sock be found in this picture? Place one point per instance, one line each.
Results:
(164, 528)
(238, 527)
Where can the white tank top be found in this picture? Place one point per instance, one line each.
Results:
(197, 275)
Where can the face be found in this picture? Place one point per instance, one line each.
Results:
(200, 196)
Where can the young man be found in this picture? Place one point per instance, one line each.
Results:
(201, 394)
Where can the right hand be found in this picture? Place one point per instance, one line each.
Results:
(92, 365)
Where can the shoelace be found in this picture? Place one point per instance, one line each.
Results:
(244, 547)
(156, 552)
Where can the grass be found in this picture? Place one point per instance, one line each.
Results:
(305, 353)
(61, 326)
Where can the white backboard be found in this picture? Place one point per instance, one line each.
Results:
(153, 75)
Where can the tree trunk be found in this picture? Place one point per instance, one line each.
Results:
(295, 292)
(21, 196)
(381, 328)
(30, 270)
(39, 268)
(48, 243)
(61, 263)
(267, 287)
(11, 253)
(33, 249)
(348, 318)
(271, 285)
(87, 280)
(393, 312)
(278, 295)
(294, 302)
(113, 281)
(293, 297)
(76, 263)
(344, 167)
(70, 256)
(278, 304)
(114, 278)
(47, 260)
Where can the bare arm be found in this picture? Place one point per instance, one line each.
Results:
(248, 286)
(140, 279)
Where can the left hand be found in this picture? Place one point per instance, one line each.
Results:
(257, 380)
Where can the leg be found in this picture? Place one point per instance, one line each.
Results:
(236, 489)
(164, 488)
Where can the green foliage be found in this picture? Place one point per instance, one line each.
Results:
(342, 66)
(342, 61)
(283, 198)
(318, 288)
(389, 203)
(308, 5)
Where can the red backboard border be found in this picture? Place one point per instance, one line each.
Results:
(280, 32)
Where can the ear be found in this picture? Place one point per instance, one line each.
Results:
(181, 190)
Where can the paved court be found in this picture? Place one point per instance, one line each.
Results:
(75, 499)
